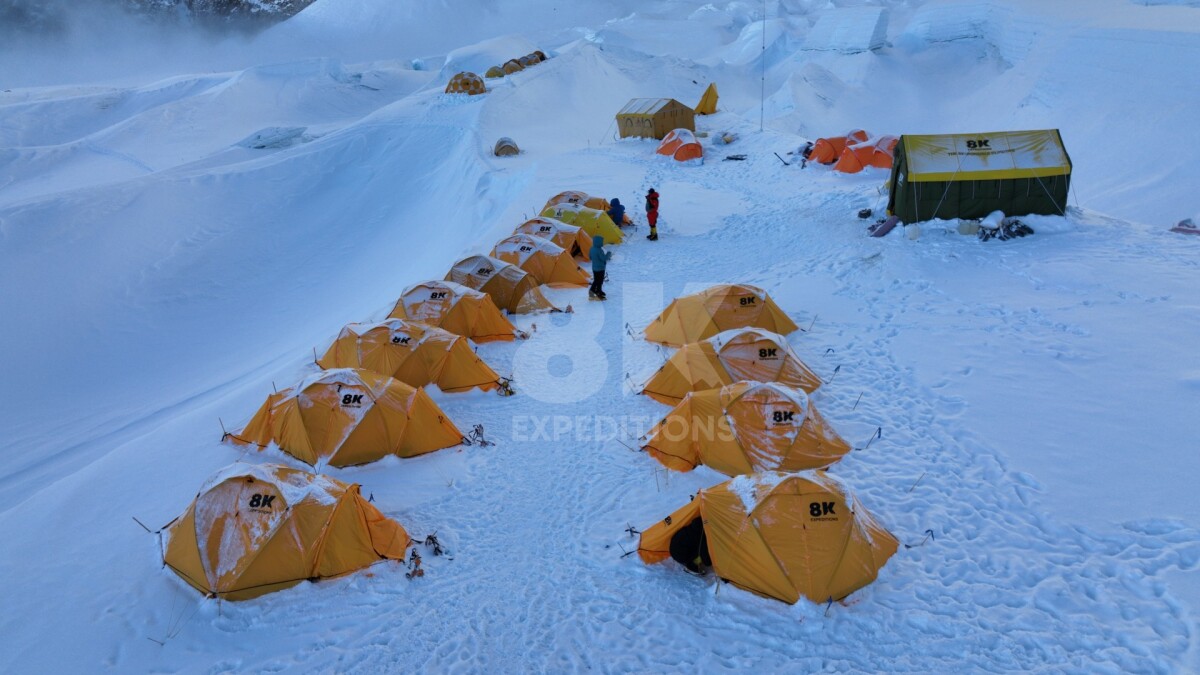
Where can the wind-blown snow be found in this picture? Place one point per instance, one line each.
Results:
(1036, 397)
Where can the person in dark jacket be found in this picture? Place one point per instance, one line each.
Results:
(616, 211)
(652, 214)
(689, 547)
(600, 259)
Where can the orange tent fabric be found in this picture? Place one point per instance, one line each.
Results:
(345, 416)
(741, 354)
(466, 83)
(253, 529)
(510, 287)
(745, 427)
(681, 144)
(782, 536)
(455, 308)
(828, 150)
(512, 66)
(414, 353)
(547, 262)
(876, 152)
(577, 242)
(702, 315)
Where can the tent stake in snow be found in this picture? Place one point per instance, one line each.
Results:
(860, 395)
(224, 433)
(835, 372)
(917, 481)
(814, 322)
(142, 524)
(878, 434)
(928, 536)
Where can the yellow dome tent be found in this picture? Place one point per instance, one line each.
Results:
(725, 358)
(494, 72)
(455, 308)
(512, 66)
(745, 427)
(783, 536)
(708, 102)
(413, 353)
(253, 529)
(347, 416)
(466, 83)
(592, 221)
(578, 198)
(545, 261)
(510, 287)
(572, 238)
(702, 315)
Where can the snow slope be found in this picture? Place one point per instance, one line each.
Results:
(1035, 397)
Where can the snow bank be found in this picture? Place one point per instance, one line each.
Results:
(849, 30)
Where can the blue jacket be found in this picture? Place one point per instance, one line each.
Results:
(616, 211)
(600, 257)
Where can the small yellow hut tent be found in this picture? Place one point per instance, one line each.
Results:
(725, 358)
(783, 536)
(346, 416)
(506, 147)
(547, 262)
(593, 221)
(708, 102)
(412, 352)
(455, 308)
(510, 287)
(745, 427)
(654, 118)
(702, 315)
(512, 66)
(572, 238)
(253, 529)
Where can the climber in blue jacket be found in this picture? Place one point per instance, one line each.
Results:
(600, 259)
(616, 211)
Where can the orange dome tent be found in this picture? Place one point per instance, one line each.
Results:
(745, 427)
(681, 145)
(414, 353)
(741, 354)
(511, 288)
(783, 536)
(828, 150)
(455, 308)
(876, 152)
(345, 416)
(702, 315)
(572, 238)
(512, 66)
(466, 83)
(547, 262)
(253, 529)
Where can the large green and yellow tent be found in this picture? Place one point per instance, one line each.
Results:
(972, 175)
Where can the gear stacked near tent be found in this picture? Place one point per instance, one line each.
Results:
(541, 258)
(783, 536)
(745, 427)
(256, 529)
(345, 416)
(592, 221)
(577, 242)
(740, 354)
(455, 308)
(971, 175)
(702, 315)
(413, 353)
(510, 287)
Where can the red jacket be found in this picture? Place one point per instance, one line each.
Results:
(651, 202)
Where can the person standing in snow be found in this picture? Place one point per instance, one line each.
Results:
(600, 259)
(652, 214)
(616, 211)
